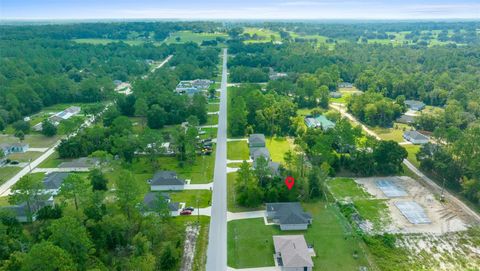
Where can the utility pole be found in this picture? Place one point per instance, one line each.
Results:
(198, 213)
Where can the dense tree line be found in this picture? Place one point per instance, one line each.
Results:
(86, 231)
(252, 110)
(374, 109)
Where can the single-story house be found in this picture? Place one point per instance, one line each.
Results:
(345, 85)
(166, 180)
(20, 211)
(256, 141)
(202, 84)
(415, 137)
(289, 215)
(255, 153)
(151, 198)
(406, 119)
(336, 94)
(80, 163)
(53, 181)
(319, 122)
(60, 116)
(415, 105)
(292, 253)
(14, 148)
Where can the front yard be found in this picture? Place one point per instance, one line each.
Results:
(190, 198)
(250, 242)
(237, 150)
(395, 133)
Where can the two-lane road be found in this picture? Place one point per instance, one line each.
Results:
(217, 238)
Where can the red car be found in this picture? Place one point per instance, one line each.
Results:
(185, 212)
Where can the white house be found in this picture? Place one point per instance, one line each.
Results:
(292, 253)
(415, 137)
(289, 215)
(166, 180)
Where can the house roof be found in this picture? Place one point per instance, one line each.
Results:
(319, 122)
(274, 167)
(406, 119)
(21, 209)
(83, 162)
(414, 104)
(293, 250)
(288, 212)
(166, 178)
(256, 139)
(257, 152)
(150, 200)
(54, 180)
(415, 135)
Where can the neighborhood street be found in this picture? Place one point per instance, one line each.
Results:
(217, 238)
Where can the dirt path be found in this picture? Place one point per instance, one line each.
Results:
(191, 233)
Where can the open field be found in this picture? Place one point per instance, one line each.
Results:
(200, 172)
(250, 242)
(33, 140)
(4, 201)
(237, 150)
(190, 197)
(412, 154)
(25, 156)
(212, 120)
(209, 133)
(8, 172)
(52, 161)
(189, 36)
(278, 146)
(213, 107)
(395, 133)
(265, 35)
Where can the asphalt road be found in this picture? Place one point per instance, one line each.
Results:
(217, 237)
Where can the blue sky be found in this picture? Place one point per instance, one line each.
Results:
(239, 9)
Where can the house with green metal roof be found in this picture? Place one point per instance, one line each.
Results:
(319, 122)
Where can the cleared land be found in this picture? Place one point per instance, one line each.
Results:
(189, 36)
(395, 133)
(237, 150)
(190, 197)
(278, 146)
(232, 206)
(8, 172)
(250, 242)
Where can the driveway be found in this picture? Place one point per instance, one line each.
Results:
(245, 215)
(66, 169)
(217, 237)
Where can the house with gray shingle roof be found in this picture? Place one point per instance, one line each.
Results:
(20, 211)
(151, 199)
(255, 153)
(415, 105)
(415, 137)
(289, 215)
(256, 141)
(292, 253)
(406, 119)
(166, 180)
(80, 163)
(53, 181)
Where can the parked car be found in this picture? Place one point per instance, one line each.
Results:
(189, 209)
(14, 162)
(185, 212)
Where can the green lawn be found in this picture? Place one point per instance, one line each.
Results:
(233, 165)
(237, 150)
(395, 133)
(231, 204)
(8, 172)
(307, 111)
(278, 146)
(25, 157)
(4, 201)
(52, 161)
(200, 172)
(190, 197)
(213, 107)
(345, 187)
(209, 133)
(250, 242)
(189, 36)
(264, 34)
(412, 154)
(212, 120)
(33, 140)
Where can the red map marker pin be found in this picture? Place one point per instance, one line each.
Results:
(289, 181)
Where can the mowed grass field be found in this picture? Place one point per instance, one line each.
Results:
(189, 36)
(395, 133)
(250, 242)
(278, 146)
(412, 154)
(237, 150)
(190, 197)
(8, 172)
(265, 35)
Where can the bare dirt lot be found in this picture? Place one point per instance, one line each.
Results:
(444, 217)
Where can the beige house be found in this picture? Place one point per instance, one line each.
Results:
(292, 253)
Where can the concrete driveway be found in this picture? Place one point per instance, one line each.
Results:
(245, 215)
